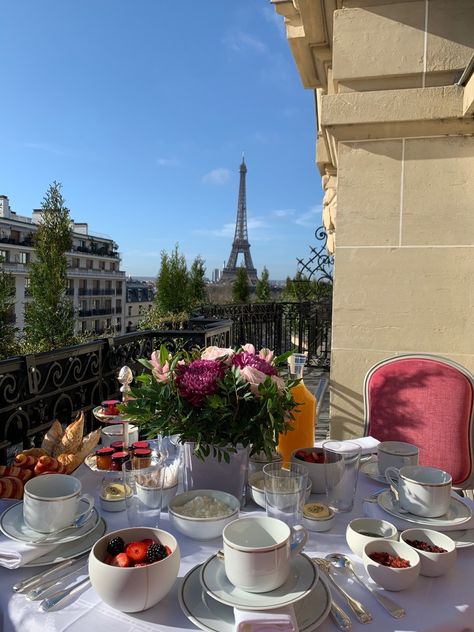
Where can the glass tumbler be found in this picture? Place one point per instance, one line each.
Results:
(341, 469)
(146, 492)
(285, 491)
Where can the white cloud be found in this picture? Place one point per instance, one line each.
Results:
(284, 212)
(241, 42)
(217, 176)
(311, 218)
(168, 162)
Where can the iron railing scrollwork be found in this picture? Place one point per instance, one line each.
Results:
(317, 267)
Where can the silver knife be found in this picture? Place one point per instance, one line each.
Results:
(25, 584)
(57, 599)
(40, 589)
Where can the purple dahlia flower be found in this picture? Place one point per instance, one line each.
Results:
(244, 358)
(198, 379)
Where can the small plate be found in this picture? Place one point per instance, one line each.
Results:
(211, 615)
(457, 513)
(371, 469)
(99, 414)
(14, 527)
(462, 538)
(91, 462)
(303, 576)
(71, 549)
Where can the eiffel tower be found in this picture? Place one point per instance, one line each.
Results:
(240, 245)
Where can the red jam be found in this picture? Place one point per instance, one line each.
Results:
(387, 559)
(104, 458)
(118, 459)
(424, 546)
(110, 407)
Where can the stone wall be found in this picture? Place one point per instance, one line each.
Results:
(396, 152)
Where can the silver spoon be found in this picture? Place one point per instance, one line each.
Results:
(361, 612)
(345, 564)
(79, 522)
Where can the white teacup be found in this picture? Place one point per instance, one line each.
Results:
(396, 454)
(258, 550)
(423, 491)
(51, 502)
(115, 433)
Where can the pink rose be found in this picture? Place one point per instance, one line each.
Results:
(160, 372)
(280, 382)
(217, 353)
(266, 354)
(249, 348)
(254, 377)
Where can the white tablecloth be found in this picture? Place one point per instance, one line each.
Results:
(442, 604)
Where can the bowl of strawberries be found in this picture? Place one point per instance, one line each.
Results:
(313, 460)
(133, 569)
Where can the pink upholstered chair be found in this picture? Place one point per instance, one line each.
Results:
(428, 401)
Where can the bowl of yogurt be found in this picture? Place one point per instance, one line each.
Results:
(201, 514)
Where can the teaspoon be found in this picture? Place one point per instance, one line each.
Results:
(345, 564)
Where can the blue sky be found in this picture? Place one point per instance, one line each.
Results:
(142, 109)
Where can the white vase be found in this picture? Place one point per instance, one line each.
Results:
(211, 474)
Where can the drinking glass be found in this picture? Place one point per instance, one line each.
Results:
(144, 501)
(285, 491)
(341, 469)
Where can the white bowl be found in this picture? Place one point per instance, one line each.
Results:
(314, 522)
(256, 490)
(202, 528)
(432, 564)
(168, 494)
(315, 470)
(358, 530)
(114, 432)
(133, 589)
(386, 576)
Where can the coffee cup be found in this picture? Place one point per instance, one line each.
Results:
(396, 454)
(422, 491)
(258, 551)
(51, 502)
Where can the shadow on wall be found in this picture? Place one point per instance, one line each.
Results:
(347, 411)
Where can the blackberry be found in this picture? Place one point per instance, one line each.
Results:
(115, 546)
(155, 553)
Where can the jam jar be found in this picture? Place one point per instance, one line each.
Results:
(118, 446)
(118, 459)
(141, 457)
(104, 458)
(140, 445)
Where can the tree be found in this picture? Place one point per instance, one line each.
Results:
(49, 318)
(8, 345)
(263, 287)
(241, 287)
(197, 282)
(172, 284)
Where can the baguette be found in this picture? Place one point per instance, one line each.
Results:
(71, 441)
(52, 439)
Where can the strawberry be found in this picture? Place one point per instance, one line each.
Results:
(140, 564)
(136, 551)
(121, 560)
(148, 541)
(168, 549)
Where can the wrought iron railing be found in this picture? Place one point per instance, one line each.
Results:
(36, 389)
(281, 326)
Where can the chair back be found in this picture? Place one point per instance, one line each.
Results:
(428, 401)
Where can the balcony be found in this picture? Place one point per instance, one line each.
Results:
(81, 272)
(96, 292)
(90, 313)
(96, 252)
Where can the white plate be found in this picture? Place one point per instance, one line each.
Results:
(99, 414)
(457, 513)
(71, 549)
(14, 527)
(462, 538)
(371, 469)
(302, 579)
(211, 615)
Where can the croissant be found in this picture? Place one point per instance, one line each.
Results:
(69, 462)
(71, 440)
(34, 452)
(11, 487)
(26, 461)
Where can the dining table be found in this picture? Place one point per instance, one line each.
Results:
(438, 604)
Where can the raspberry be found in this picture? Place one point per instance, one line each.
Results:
(121, 560)
(137, 551)
(115, 546)
(148, 541)
(156, 552)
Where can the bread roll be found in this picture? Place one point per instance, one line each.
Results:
(70, 462)
(34, 452)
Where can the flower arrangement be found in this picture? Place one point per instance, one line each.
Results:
(215, 397)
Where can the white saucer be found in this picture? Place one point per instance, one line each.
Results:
(457, 513)
(302, 579)
(14, 527)
(211, 615)
(371, 469)
(91, 462)
(71, 549)
(462, 538)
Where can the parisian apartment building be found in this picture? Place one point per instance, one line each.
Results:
(96, 283)
(139, 301)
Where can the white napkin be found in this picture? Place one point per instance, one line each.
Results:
(14, 554)
(368, 444)
(276, 620)
(373, 510)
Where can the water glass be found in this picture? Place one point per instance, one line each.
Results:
(341, 469)
(285, 491)
(144, 501)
